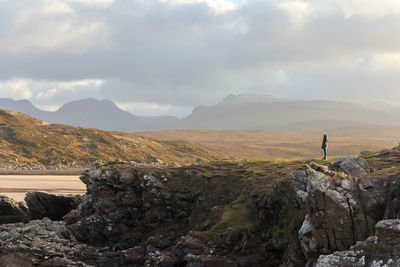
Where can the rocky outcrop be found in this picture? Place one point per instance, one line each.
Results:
(226, 214)
(41, 205)
(119, 200)
(380, 250)
(49, 243)
(188, 216)
(343, 204)
(11, 211)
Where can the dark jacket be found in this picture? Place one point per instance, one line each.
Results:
(324, 141)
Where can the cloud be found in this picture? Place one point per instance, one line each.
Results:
(182, 53)
(17, 89)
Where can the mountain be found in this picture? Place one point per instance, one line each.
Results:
(247, 99)
(234, 112)
(281, 114)
(90, 113)
(26, 141)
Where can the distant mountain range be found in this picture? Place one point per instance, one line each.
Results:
(235, 112)
(90, 113)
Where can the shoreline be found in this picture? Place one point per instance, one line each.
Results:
(64, 171)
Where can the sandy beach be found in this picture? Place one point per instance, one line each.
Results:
(16, 186)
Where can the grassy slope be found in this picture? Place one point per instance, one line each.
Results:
(25, 140)
(263, 145)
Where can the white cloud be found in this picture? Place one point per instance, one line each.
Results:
(17, 89)
(101, 3)
(218, 6)
(48, 25)
(144, 105)
(370, 8)
(386, 61)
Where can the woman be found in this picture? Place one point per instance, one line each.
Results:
(324, 143)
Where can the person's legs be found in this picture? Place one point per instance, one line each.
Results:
(325, 153)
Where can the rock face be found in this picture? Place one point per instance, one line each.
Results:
(11, 211)
(342, 204)
(380, 250)
(188, 216)
(118, 202)
(48, 243)
(54, 207)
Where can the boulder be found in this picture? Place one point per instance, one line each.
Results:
(11, 211)
(354, 165)
(54, 207)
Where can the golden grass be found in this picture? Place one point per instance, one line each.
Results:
(27, 141)
(264, 145)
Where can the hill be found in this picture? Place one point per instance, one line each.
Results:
(261, 145)
(25, 141)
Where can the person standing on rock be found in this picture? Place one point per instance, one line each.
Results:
(324, 145)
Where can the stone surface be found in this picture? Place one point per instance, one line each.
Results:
(42, 205)
(11, 211)
(381, 250)
(342, 208)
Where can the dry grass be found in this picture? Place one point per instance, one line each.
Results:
(263, 145)
(27, 141)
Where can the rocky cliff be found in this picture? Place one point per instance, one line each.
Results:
(343, 213)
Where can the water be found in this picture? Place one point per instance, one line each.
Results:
(16, 186)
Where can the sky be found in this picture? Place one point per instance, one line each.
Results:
(158, 57)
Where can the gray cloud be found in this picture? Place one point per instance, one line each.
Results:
(182, 55)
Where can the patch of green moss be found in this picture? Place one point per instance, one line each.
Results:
(236, 215)
(338, 176)
(90, 254)
(112, 254)
(288, 226)
(114, 162)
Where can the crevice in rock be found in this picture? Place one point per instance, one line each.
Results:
(352, 221)
(324, 221)
(363, 210)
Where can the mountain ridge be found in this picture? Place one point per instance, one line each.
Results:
(234, 112)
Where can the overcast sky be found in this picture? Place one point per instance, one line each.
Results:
(156, 57)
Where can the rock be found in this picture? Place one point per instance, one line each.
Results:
(72, 217)
(135, 255)
(15, 260)
(306, 238)
(11, 211)
(44, 243)
(380, 250)
(341, 208)
(42, 205)
(208, 261)
(123, 197)
(354, 166)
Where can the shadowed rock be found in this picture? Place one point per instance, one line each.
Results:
(54, 207)
(11, 211)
